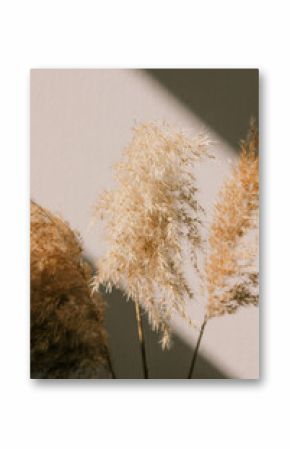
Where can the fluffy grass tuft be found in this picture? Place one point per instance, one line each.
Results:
(68, 339)
(149, 215)
(231, 274)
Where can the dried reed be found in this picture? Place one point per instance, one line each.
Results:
(149, 215)
(231, 278)
(68, 339)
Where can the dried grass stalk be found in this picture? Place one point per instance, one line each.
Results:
(68, 339)
(231, 275)
(148, 215)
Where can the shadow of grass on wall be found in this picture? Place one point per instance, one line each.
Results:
(125, 351)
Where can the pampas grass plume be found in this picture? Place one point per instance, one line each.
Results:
(231, 275)
(148, 216)
(68, 339)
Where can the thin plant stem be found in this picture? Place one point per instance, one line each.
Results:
(194, 358)
(141, 340)
(110, 365)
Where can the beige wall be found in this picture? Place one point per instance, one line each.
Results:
(80, 121)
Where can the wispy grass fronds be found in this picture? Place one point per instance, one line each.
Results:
(149, 214)
(231, 274)
(68, 339)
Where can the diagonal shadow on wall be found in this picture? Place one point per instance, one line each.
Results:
(125, 351)
(225, 99)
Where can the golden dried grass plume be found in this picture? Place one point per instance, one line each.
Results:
(149, 215)
(68, 339)
(231, 272)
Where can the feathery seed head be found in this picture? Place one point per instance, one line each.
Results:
(68, 339)
(148, 215)
(231, 277)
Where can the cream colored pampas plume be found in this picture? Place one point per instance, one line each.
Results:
(149, 215)
(68, 339)
(231, 274)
